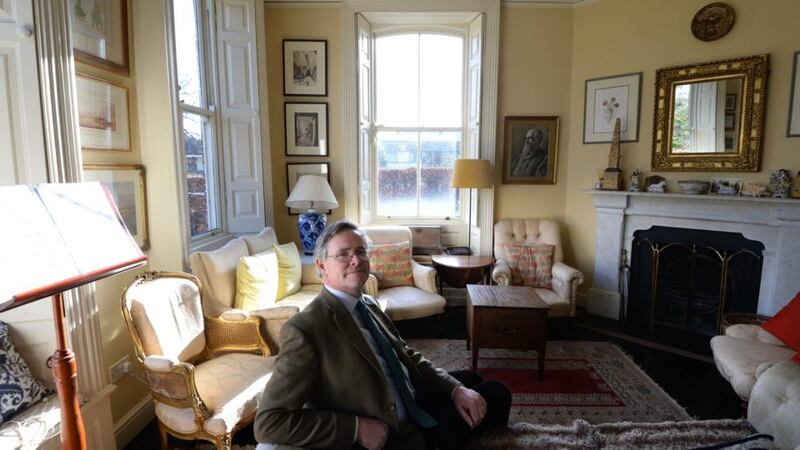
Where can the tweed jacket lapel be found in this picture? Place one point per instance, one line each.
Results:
(348, 327)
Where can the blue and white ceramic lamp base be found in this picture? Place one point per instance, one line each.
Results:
(310, 224)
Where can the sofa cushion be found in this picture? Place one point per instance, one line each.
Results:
(18, 388)
(391, 264)
(219, 267)
(257, 281)
(785, 324)
(290, 269)
(408, 302)
(530, 264)
(559, 307)
(739, 359)
(260, 242)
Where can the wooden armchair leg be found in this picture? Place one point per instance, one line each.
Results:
(163, 436)
(224, 442)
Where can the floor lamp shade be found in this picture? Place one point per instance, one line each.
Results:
(313, 193)
(471, 174)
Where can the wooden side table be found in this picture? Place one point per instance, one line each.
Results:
(506, 317)
(459, 271)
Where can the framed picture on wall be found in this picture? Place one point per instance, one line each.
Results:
(102, 114)
(794, 100)
(295, 170)
(305, 67)
(100, 33)
(730, 102)
(126, 183)
(607, 99)
(306, 126)
(530, 150)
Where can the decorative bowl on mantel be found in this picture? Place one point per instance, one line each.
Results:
(693, 186)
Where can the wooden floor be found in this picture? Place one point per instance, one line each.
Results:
(693, 382)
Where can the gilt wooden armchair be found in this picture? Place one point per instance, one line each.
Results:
(205, 374)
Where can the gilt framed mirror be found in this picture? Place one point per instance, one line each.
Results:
(710, 117)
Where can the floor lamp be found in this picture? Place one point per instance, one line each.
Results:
(56, 237)
(471, 174)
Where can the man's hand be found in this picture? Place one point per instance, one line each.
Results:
(372, 433)
(470, 405)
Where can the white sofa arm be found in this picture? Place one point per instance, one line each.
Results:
(565, 283)
(310, 275)
(501, 273)
(371, 286)
(775, 404)
(424, 277)
(753, 333)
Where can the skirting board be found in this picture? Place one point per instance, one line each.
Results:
(134, 421)
(603, 303)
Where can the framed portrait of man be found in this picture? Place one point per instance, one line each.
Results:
(530, 150)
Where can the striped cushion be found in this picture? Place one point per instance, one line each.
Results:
(530, 264)
(391, 264)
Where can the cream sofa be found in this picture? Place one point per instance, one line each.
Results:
(744, 352)
(561, 297)
(216, 271)
(774, 406)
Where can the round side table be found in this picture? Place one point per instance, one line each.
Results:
(459, 271)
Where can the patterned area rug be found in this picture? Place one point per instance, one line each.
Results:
(592, 381)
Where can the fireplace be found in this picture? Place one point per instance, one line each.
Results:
(682, 281)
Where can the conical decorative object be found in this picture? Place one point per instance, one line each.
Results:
(612, 177)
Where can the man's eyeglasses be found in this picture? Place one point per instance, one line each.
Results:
(346, 255)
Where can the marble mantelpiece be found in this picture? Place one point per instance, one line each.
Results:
(773, 222)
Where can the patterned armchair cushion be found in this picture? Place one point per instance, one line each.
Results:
(18, 388)
(530, 264)
(391, 264)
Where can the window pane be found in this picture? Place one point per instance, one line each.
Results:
(439, 150)
(441, 74)
(187, 52)
(397, 174)
(396, 79)
(200, 173)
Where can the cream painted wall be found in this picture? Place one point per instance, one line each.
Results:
(535, 44)
(622, 36)
(303, 23)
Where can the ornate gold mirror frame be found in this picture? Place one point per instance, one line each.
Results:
(746, 155)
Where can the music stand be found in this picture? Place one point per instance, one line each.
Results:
(56, 237)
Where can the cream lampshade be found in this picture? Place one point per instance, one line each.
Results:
(471, 174)
(313, 193)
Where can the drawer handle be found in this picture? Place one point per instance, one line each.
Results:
(505, 330)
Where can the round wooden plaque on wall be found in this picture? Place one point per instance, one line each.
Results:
(713, 21)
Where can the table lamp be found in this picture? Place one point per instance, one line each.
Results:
(471, 174)
(312, 193)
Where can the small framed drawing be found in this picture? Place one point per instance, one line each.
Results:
(730, 121)
(306, 126)
(295, 170)
(102, 114)
(126, 184)
(730, 102)
(530, 150)
(725, 186)
(100, 33)
(305, 67)
(605, 100)
(794, 100)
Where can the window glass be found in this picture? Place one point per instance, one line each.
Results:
(199, 164)
(438, 152)
(441, 74)
(397, 173)
(397, 80)
(187, 52)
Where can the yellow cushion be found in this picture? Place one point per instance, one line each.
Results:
(257, 281)
(290, 269)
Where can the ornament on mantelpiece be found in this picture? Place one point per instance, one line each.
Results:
(635, 184)
(796, 186)
(780, 181)
(655, 183)
(754, 189)
(612, 177)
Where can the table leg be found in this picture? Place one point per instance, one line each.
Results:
(474, 356)
(542, 343)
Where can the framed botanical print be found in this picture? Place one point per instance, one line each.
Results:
(530, 150)
(295, 170)
(102, 114)
(100, 33)
(126, 183)
(305, 67)
(306, 126)
(606, 100)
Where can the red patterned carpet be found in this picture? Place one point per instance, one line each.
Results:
(593, 381)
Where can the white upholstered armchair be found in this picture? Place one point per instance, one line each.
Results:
(205, 374)
(404, 302)
(565, 281)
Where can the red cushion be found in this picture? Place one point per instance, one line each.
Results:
(796, 358)
(785, 324)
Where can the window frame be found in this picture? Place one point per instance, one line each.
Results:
(381, 31)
